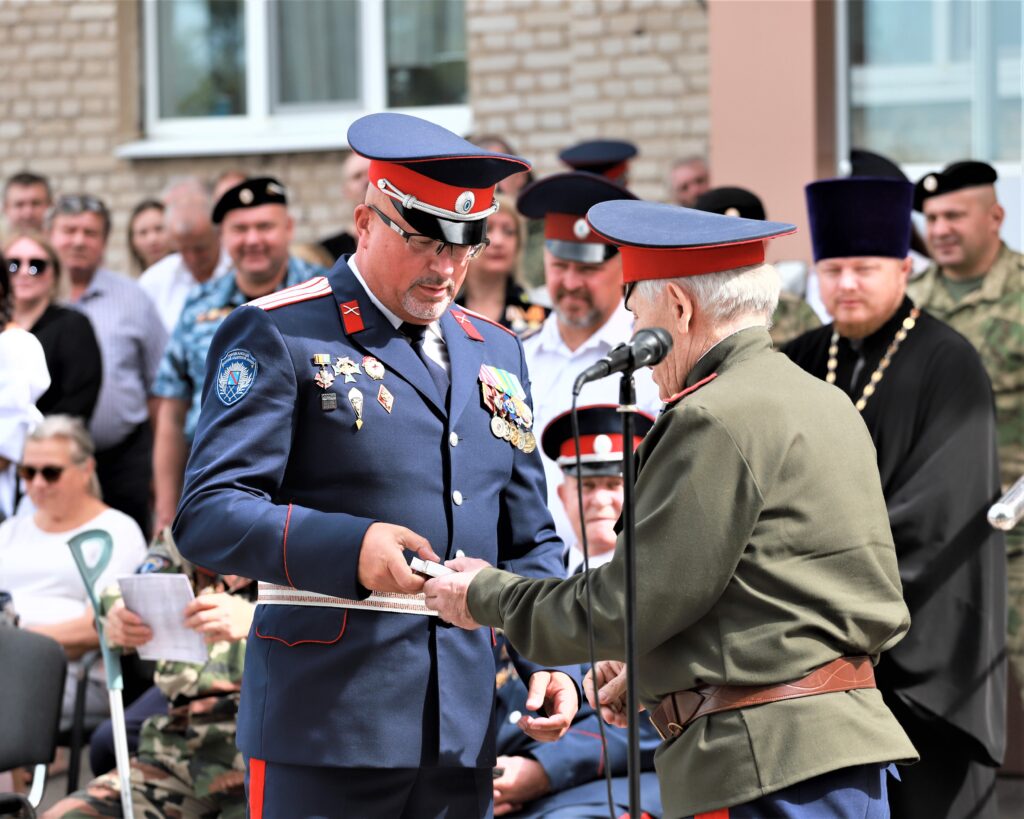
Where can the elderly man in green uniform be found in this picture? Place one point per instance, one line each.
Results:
(976, 285)
(766, 573)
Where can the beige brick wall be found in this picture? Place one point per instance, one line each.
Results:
(549, 73)
(545, 73)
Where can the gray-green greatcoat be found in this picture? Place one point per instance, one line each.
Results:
(764, 551)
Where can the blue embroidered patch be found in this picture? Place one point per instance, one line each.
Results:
(153, 564)
(236, 376)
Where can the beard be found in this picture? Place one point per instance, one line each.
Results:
(425, 309)
(580, 320)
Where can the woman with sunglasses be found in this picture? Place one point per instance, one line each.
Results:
(23, 378)
(59, 475)
(69, 343)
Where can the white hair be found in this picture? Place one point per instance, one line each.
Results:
(73, 431)
(727, 295)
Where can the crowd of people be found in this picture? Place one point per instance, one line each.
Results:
(404, 387)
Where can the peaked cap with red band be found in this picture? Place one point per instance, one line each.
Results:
(600, 439)
(562, 201)
(607, 157)
(442, 185)
(666, 241)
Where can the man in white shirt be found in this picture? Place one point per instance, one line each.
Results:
(584, 280)
(200, 257)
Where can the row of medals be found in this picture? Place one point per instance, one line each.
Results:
(511, 418)
(349, 368)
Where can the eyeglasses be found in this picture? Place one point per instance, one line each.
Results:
(424, 244)
(51, 474)
(77, 203)
(34, 267)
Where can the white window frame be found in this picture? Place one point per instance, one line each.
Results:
(261, 130)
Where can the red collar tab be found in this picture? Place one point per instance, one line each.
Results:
(571, 227)
(467, 325)
(639, 263)
(463, 202)
(693, 388)
(351, 317)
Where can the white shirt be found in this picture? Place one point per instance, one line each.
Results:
(23, 378)
(574, 559)
(553, 369)
(36, 567)
(168, 282)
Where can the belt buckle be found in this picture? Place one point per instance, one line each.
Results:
(674, 728)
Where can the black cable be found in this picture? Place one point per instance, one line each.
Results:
(592, 652)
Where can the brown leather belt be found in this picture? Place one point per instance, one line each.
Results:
(681, 708)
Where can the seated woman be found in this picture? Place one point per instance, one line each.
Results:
(492, 286)
(36, 567)
(23, 378)
(67, 337)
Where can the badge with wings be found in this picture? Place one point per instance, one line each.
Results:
(236, 376)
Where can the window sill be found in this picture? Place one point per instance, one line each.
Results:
(284, 135)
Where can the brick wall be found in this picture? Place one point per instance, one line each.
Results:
(545, 73)
(549, 73)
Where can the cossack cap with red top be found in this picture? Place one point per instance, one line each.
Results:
(600, 440)
(666, 241)
(606, 157)
(562, 201)
(442, 185)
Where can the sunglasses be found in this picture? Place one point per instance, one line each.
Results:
(34, 267)
(51, 474)
(78, 203)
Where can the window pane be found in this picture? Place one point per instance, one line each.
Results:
(316, 52)
(426, 52)
(922, 89)
(201, 57)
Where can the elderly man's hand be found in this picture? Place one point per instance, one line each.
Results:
(555, 692)
(522, 780)
(449, 595)
(605, 686)
(220, 616)
(125, 628)
(382, 564)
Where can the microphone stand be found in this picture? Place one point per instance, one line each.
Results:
(628, 408)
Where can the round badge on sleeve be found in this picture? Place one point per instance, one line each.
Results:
(235, 376)
(464, 204)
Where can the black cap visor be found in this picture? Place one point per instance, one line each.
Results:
(444, 230)
(582, 252)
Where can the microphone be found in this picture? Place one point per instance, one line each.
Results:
(648, 346)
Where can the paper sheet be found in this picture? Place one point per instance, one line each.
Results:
(160, 600)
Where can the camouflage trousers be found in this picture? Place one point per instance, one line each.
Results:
(157, 793)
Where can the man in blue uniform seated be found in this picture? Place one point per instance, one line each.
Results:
(566, 779)
(348, 424)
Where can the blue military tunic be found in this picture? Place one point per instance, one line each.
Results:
(282, 485)
(183, 364)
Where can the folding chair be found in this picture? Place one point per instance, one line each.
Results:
(32, 670)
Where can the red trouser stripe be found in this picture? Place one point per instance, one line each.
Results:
(257, 777)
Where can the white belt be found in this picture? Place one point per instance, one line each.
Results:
(273, 595)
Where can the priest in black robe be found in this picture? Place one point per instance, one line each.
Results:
(927, 402)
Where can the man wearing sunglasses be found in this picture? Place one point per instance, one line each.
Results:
(348, 424)
(131, 339)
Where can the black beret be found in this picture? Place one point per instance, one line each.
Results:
(731, 202)
(868, 163)
(260, 190)
(959, 175)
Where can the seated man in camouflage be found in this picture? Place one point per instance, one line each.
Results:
(565, 779)
(186, 764)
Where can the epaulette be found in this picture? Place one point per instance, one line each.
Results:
(312, 289)
(477, 315)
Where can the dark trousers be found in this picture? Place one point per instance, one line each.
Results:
(101, 743)
(125, 471)
(848, 793)
(948, 782)
(276, 791)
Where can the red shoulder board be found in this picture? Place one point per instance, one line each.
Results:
(694, 388)
(471, 331)
(313, 289)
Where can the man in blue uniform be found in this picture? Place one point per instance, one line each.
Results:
(348, 422)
